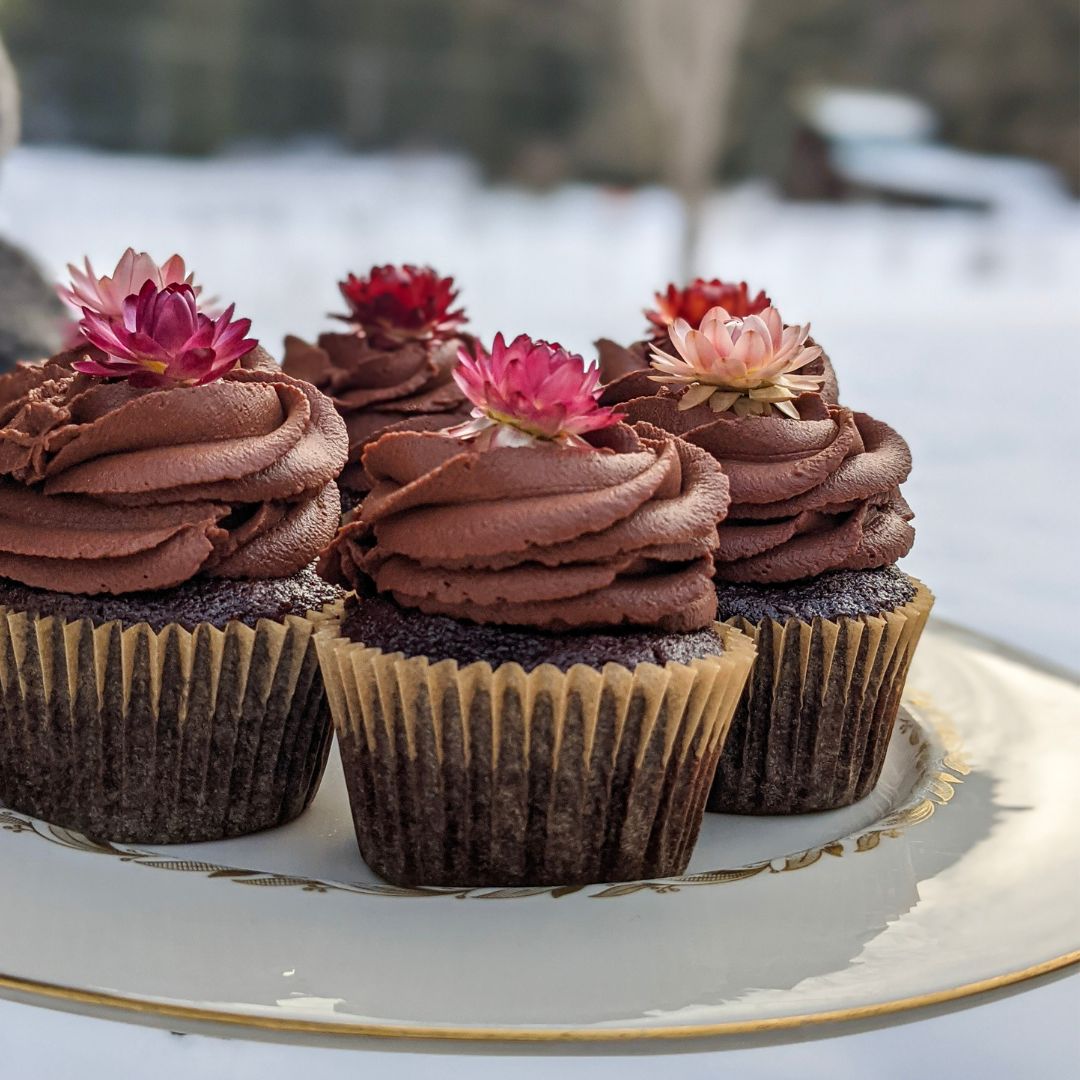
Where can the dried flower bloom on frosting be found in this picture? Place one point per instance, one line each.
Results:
(106, 295)
(693, 302)
(160, 338)
(744, 364)
(396, 304)
(529, 392)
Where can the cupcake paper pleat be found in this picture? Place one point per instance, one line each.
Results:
(472, 776)
(814, 724)
(174, 736)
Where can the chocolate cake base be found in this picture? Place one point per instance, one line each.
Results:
(841, 593)
(147, 733)
(382, 624)
(814, 723)
(217, 601)
(479, 776)
(351, 498)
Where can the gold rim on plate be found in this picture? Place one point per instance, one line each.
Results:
(530, 1035)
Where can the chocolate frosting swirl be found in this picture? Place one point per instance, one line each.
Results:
(377, 390)
(105, 488)
(544, 537)
(809, 495)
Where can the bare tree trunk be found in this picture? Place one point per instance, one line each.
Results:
(687, 52)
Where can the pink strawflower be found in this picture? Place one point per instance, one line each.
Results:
(161, 338)
(397, 304)
(742, 364)
(529, 392)
(106, 295)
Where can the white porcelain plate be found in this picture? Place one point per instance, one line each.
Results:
(958, 874)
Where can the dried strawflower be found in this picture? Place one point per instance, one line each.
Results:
(745, 364)
(160, 338)
(529, 392)
(699, 297)
(106, 295)
(397, 304)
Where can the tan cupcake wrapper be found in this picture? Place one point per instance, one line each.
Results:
(171, 736)
(473, 776)
(813, 727)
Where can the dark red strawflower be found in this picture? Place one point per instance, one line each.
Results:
(694, 301)
(397, 304)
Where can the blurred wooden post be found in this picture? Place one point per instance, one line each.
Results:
(9, 103)
(687, 54)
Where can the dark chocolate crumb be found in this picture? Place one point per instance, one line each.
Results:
(211, 600)
(350, 499)
(383, 624)
(848, 593)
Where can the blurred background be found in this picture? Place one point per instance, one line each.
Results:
(902, 175)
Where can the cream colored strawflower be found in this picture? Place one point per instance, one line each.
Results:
(745, 364)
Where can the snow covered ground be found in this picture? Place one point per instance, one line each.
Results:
(960, 329)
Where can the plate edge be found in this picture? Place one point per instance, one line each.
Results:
(237, 1021)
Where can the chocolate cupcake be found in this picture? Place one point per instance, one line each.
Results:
(530, 687)
(391, 369)
(805, 562)
(163, 493)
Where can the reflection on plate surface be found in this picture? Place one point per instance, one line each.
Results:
(879, 911)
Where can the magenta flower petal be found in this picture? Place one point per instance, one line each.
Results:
(160, 338)
(92, 367)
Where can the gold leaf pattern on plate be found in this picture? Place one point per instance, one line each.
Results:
(939, 761)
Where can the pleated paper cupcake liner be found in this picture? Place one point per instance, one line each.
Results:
(469, 776)
(138, 736)
(813, 726)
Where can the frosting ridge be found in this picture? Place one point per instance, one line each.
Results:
(109, 488)
(807, 496)
(377, 389)
(539, 536)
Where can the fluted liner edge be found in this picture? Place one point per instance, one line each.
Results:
(814, 723)
(171, 736)
(473, 776)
